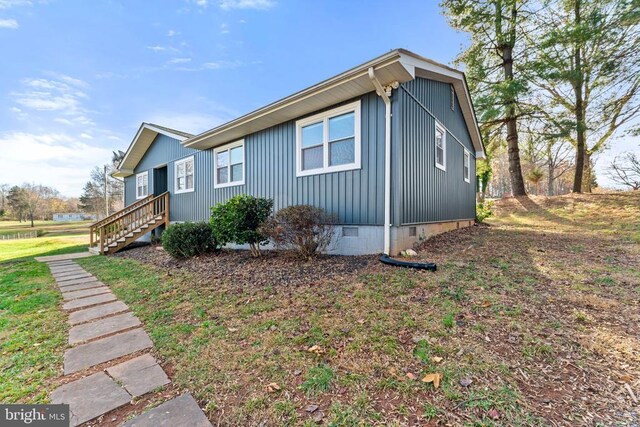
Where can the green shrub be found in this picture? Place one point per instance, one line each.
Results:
(306, 229)
(237, 221)
(188, 239)
(484, 210)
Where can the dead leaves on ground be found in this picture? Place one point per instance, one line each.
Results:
(433, 378)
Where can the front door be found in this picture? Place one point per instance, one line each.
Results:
(160, 180)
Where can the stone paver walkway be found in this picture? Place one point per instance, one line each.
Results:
(102, 331)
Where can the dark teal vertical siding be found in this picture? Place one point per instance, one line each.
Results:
(425, 193)
(356, 196)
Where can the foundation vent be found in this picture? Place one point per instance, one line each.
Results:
(349, 231)
(413, 231)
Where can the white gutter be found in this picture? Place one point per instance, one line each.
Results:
(385, 93)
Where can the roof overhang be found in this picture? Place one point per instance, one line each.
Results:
(398, 65)
(140, 144)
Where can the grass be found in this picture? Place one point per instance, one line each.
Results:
(32, 332)
(523, 308)
(58, 238)
(33, 328)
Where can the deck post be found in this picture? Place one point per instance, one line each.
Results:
(101, 242)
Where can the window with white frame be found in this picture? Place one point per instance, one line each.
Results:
(467, 166)
(184, 175)
(142, 185)
(229, 164)
(329, 141)
(441, 147)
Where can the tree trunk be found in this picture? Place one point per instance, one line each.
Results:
(579, 112)
(31, 217)
(550, 178)
(587, 173)
(515, 169)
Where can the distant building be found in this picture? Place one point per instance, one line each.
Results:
(73, 216)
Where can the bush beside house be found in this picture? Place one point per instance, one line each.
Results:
(189, 239)
(305, 229)
(238, 221)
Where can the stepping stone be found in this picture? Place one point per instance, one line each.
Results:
(105, 349)
(140, 375)
(84, 293)
(65, 257)
(97, 312)
(88, 301)
(181, 411)
(60, 263)
(65, 268)
(84, 275)
(102, 327)
(77, 281)
(90, 397)
(67, 273)
(87, 285)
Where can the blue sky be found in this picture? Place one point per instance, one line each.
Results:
(78, 76)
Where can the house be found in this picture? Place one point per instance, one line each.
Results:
(73, 216)
(390, 146)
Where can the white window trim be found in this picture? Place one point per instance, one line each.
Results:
(228, 147)
(138, 196)
(175, 175)
(442, 129)
(324, 117)
(467, 165)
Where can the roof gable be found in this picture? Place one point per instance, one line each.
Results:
(145, 136)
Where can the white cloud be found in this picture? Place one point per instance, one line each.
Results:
(224, 29)
(56, 159)
(9, 23)
(201, 3)
(52, 95)
(179, 60)
(247, 4)
(172, 33)
(157, 48)
(86, 136)
(8, 4)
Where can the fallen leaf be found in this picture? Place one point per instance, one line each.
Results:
(272, 387)
(233, 329)
(315, 349)
(465, 382)
(494, 414)
(411, 376)
(318, 416)
(311, 408)
(432, 378)
(297, 372)
(437, 359)
(361, 321)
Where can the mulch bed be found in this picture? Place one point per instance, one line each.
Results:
(275, 268)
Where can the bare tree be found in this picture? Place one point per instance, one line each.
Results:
(625, 170)
(36, 198)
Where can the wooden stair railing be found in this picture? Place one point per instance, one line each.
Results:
(128, 224)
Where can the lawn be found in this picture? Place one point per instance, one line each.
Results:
(33, 332)
(57, 238)
(33, 328)
(532, 320)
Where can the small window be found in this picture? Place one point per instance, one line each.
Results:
(453, 98)
(229, 164)
(142, 185)
(329, 141)
(184, 180)
(441, 147)
(467, 166)
(349, 231)
(413, 231)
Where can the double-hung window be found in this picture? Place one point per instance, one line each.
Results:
(329, 141)
(467, 166)
(441, 147)
(184, 175)
(142, 185)
(229, 164)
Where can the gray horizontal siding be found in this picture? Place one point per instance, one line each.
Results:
(428, 194)
(356, 196)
